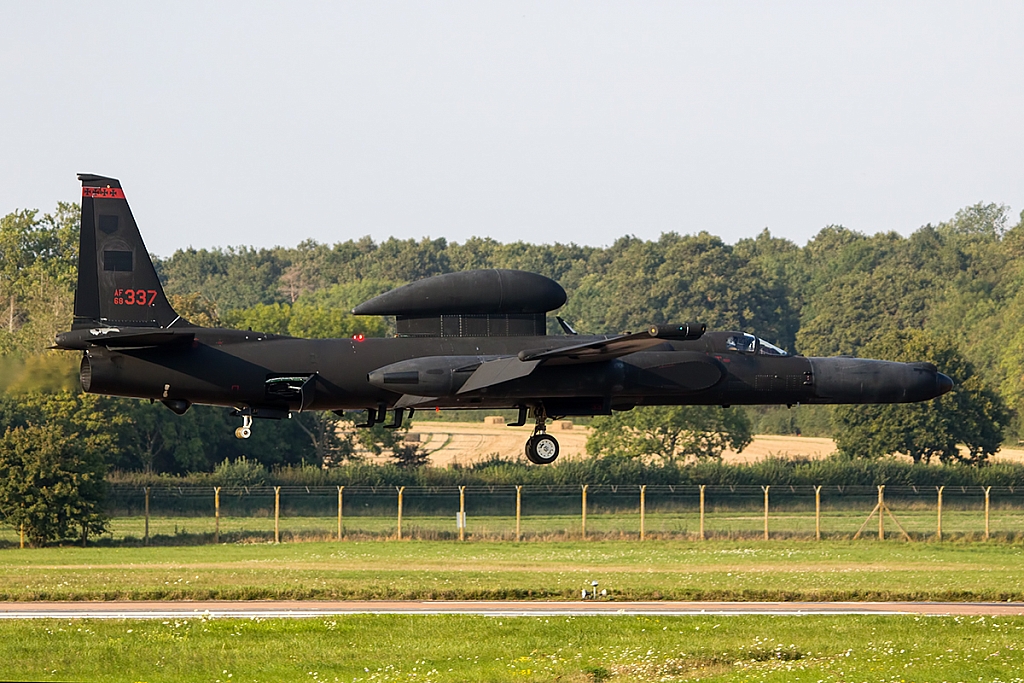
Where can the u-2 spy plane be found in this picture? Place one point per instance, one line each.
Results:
(472, 339)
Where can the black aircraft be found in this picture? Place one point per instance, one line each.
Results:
(474, 339)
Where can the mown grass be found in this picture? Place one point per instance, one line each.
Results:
(465, 648)
(652, 570)
(921, 523)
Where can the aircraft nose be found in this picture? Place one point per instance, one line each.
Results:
(863, 380)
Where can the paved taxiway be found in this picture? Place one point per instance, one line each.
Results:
(286, 609)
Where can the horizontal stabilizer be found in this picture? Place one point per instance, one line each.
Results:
(113, 337)
(497, 371)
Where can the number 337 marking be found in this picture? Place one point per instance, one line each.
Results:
(134, 297)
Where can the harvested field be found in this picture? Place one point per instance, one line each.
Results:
(468, 442)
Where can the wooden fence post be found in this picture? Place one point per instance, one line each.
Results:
(881, 509)
(938, 528)
(277, 514)
(145, 537)
(643, 491)
(519, 511)
(987, 490)
(401, 490)
(702, 487)
(583, 526)
(21, 534)
(341, 489)
(817, 513)
(765, 488)
(216, 514)
(462, 513)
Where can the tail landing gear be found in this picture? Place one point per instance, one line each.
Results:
(541, 448)
(247, 413)
(245, 431)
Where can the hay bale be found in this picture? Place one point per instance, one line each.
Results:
(494, 420)
(412, 437)
(563, 425)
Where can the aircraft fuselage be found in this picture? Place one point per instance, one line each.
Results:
(232, 368)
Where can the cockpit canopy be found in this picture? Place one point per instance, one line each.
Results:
(744, 342)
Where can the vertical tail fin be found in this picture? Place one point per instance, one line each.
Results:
(117, 284)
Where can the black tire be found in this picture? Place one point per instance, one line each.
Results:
(542, 449)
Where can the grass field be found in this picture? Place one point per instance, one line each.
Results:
(730, 570)
(460, 648)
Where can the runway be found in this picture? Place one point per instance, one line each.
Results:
(213, 609)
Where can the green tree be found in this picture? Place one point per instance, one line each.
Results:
(329, 434)
(670, 433)
(307, 320)
(271, 318)
(196, 309)
(160, 441)
(38, 261)
(322, 322)
(98, 421)
(51, 484)
(682, 278)
(409, 456)
(972, 415)
(335, 439)
(377, 439)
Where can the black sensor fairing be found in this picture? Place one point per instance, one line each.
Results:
(471, 291)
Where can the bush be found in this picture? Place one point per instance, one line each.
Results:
(835, 470)
(241, 472)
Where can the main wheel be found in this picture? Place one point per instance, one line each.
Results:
(243, 433)
(541, 449)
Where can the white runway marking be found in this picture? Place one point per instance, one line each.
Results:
(312, 609)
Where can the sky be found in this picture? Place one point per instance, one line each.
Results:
(266, 124)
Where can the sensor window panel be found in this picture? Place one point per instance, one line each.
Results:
(117, 261)
(108, 224)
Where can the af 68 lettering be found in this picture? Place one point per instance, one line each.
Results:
(134, 297)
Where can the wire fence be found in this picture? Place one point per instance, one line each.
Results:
(193, 515)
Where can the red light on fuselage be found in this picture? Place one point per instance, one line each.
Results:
(359, 337)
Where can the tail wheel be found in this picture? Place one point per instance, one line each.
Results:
(243, 433)
(542, 449)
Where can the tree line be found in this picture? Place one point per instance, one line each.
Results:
(951, 293)
(956, 285)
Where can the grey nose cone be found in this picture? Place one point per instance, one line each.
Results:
(862, 380)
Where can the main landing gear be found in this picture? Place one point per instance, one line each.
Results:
(245, 431)
(541, 448)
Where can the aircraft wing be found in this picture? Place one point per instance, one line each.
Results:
(501, 370)
(613, 347)
(497, 371)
